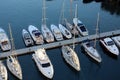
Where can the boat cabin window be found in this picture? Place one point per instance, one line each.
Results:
(37, 34)
(83, 29)
(4, 43)
(109, 43)
(47, 33)
(27, 36)
(66, 32)
(46, 65)
(79, 24)
(88, 44)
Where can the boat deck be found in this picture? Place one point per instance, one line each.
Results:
(29, 50)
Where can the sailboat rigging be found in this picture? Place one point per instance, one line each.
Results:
(47, 34)
(96, 31)
(12, 61)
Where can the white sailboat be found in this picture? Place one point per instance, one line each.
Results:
(12, 61)
(3, 72)
(56, 32)
(90, 47)
(80, 26)
(71, 57)
(27, 38)
(66, 33)
(43, 63)
(72, 28)
(117, 40)
(36, 34)
(47, 34)
(91, 51)
(4, 41)
(109, 45)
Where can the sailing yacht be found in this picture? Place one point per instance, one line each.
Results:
(3, 72)
(4, 41)
(12, 61)
(80, 26)
(43, 63)
(71, 28)
(47, 34)
(109, 45)
(14, 67)
(27, 38)
(66, 33)
(116, 39)
(36, 34)
(71, 57)
(92, 51)
(56, 32)
(90, 47)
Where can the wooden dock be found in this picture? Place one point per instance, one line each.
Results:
(29, 50)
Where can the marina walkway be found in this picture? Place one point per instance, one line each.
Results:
(29, 50)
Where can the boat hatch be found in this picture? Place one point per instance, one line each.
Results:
(66, 32)
(110, 43)
(46, 65)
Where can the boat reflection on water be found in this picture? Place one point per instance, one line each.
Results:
(113, 6)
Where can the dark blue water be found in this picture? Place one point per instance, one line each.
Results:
(23, 13)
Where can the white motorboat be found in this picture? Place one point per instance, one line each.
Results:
(71, 57)
(117, 40)
(3, 72)
(71, 28)
(47, 34)
(43, 63)
(91, 51)
(110, 45)
(14, 67)
(36, 34)
(12, 61)
(66, 33)
(80, 26)
(27, 38)
(4, 41)
(56, 32)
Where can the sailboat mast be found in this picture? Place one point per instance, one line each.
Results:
(76, 11)
(71, 11)
(44, 13)
(96, 30)
(11, 38)
(63, 17)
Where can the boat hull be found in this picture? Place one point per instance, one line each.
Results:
(56, 32)
(3, 72)
(38, 38)
(117, 40)
(47, 34)
(4, 41)
(92, 53)
(66, 33)
(9, 65)
(43, 63)
(73, 61)
(114, 51)
(28, 41)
